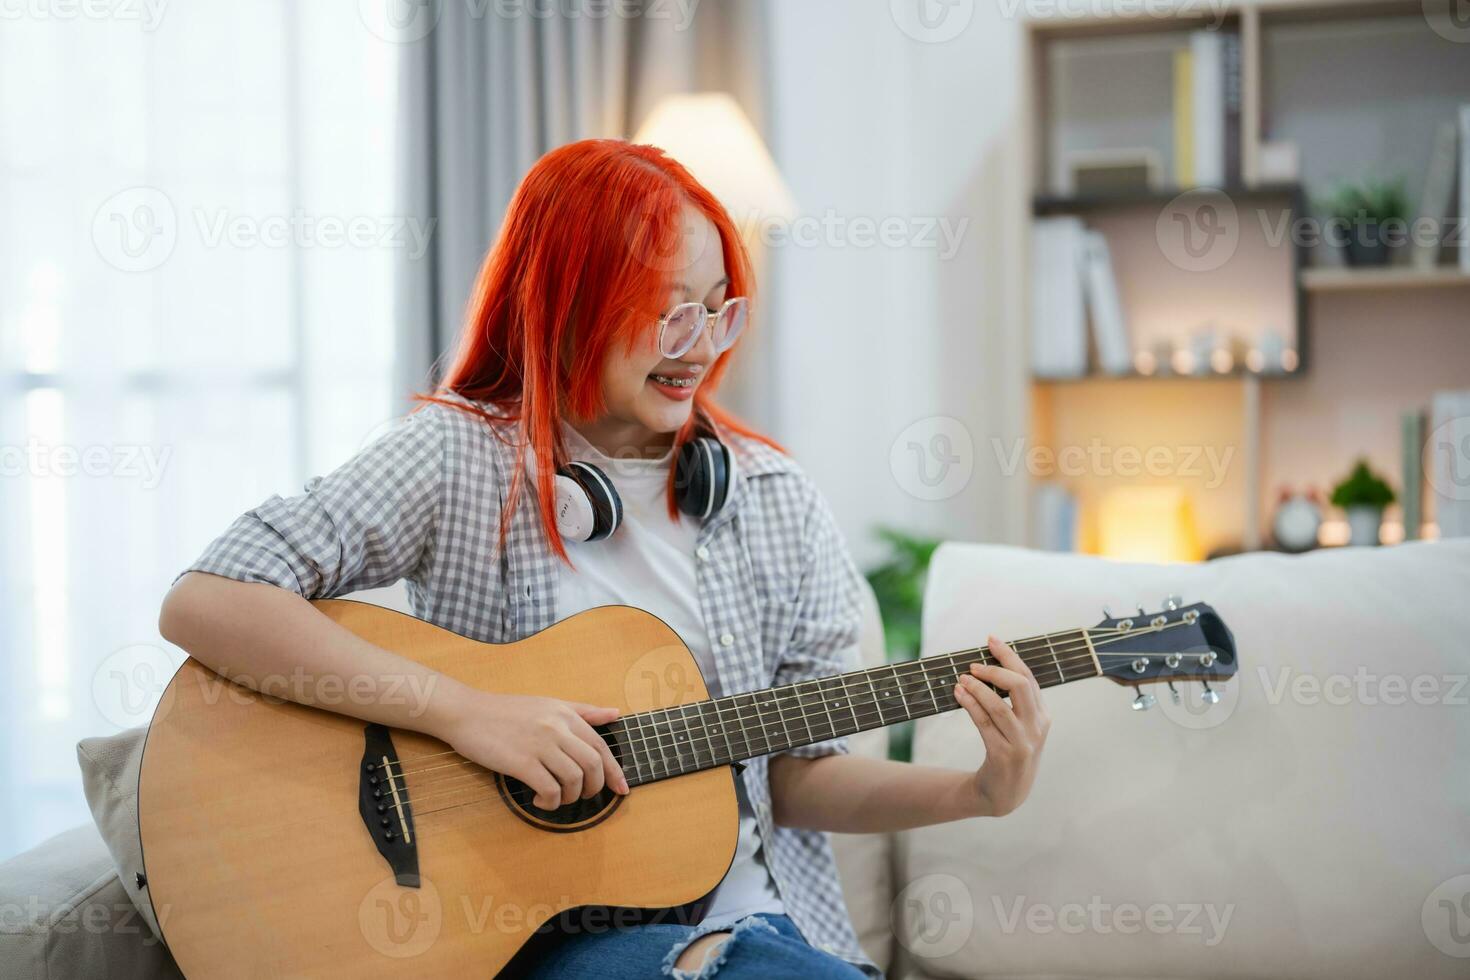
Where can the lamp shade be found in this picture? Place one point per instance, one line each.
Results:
(709, 134)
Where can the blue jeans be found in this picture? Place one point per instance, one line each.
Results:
(762, 946)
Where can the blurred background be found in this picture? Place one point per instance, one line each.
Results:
(1158, 281)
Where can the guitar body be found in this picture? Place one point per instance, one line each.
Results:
(262, 860)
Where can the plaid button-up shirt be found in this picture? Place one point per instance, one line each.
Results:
(779, 593)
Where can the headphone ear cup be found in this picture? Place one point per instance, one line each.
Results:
(588, 507)
(703, 476)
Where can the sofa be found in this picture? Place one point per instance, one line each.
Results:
(1312, 823)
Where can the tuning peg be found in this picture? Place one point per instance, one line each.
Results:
(1174, 694)
(1209, 696)
(1144, 701)
(1172, 602)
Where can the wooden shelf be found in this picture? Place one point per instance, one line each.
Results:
(1047, 204)
(1387, 277)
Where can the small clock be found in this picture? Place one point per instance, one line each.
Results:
(1297, 520)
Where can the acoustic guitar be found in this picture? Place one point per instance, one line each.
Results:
(284, 840)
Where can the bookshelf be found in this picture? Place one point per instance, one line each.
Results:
(1357, 86)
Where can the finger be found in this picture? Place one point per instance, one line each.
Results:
(595, 714)
(544, 784)
(567, 773)
(989, 733)
(1000, 712)
(586, 757)
(1009, 658)
(611, 771)
(1020, 689)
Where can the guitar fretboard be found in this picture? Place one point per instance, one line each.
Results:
(667, 742)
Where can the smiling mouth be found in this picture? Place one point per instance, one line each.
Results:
(674, 382)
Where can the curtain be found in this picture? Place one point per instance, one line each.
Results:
(195, 313)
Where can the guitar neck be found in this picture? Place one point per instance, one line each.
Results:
(667, 742)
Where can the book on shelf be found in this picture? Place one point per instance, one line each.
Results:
(1448, 462)
(1464, 226)
(1100, 287)
(1058, 323)
(1434, 202)
(1207, 110)
(1412, 501)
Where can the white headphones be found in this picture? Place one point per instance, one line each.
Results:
(588, 507)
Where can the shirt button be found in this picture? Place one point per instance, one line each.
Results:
(702, 553)
(726, 639)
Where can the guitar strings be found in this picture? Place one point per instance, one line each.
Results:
(1046, 661)
(1047, 673)
(870, 710)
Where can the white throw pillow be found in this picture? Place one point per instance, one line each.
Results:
(1312, 824)
(110, 780)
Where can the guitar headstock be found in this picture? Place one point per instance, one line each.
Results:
(1177, 643)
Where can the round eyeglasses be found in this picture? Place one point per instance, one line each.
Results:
(679, 329)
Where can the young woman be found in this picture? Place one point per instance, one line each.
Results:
(600, 325)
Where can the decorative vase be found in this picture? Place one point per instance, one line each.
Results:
(1363, 523)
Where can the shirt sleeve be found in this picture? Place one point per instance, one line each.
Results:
(366, 524)
(829, 615)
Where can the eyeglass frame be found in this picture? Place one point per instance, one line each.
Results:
(708, 323)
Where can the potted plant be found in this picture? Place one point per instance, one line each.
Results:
(1363, 495)
(898, 585)
(1373, 218)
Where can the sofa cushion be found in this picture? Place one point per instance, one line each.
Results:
(1312, 824)
(110, 780)
(64, 914)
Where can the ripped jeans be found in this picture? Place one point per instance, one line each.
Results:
(759, 945)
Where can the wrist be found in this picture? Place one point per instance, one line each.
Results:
(448, 708)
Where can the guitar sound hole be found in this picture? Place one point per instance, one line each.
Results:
(575, 815)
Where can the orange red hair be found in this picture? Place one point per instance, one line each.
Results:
(583, 261)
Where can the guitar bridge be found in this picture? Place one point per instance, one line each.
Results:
(386, 810)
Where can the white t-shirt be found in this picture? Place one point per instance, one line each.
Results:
(648, 562)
